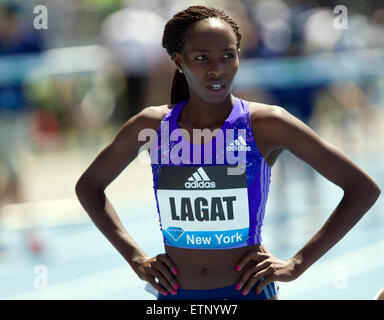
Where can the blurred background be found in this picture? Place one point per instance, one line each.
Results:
(72, 72)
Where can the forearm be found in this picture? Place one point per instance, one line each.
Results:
(104, 216)
(349, 211)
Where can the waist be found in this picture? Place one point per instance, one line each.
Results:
(207, 269)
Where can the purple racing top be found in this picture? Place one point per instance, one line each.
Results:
(211, 195)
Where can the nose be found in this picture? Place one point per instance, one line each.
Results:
(216, 69)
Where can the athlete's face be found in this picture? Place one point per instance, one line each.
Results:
(209, 59)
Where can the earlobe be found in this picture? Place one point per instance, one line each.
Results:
(177, 60)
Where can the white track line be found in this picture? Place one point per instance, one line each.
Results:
(93, 286)
(111, 281)
(325, 273)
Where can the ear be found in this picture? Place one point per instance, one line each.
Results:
(178, 60)
(238, 52)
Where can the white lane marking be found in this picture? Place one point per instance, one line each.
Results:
(321, 274)
(93, 286)
(106, 282)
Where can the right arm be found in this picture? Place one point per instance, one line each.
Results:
(90, 190)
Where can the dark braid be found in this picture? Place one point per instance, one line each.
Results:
(173, 41)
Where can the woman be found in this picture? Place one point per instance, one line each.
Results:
(211, 219)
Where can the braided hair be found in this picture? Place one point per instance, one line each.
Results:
(173, 41)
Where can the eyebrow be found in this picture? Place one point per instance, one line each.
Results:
(205, 50)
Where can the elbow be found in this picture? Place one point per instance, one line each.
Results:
(83, 192)
(375, 194)
(377, 191)
(86, 185)
(366, 190)
(80, 187)
(373, 189)
(372, 192)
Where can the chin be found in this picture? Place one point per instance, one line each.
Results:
(216, 99)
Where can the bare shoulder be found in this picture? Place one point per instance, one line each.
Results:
(267, 121)
(261, 113)
(156, 112)
(276, 125)
(124, 148)
(151, 117)
(148, 118)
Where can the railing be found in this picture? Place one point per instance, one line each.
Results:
(275, 72)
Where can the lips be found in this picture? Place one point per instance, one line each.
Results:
(216, 85)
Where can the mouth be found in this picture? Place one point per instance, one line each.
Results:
(216, 87)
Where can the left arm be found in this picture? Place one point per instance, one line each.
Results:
(360, 193)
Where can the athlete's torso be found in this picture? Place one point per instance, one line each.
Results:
(210, 196)
(201, 268)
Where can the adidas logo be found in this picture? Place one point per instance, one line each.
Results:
(238, 145)
(199, 179)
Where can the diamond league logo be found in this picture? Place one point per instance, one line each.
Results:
(175, 232)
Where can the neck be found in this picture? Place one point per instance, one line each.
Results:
(202, 114)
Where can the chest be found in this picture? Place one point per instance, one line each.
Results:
(199, 136)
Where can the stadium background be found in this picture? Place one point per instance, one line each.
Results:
(66, 90)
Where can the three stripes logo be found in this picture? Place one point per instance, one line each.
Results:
(238, 145)
(199, 179)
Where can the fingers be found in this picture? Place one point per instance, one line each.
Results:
(166, 278)
(164, 282)
(262, 284)
(261, 275)
(264, 269)
(161, 270)
(156, 285)
(251, 256)
(252, 275)
(169, 263)
(264, 249)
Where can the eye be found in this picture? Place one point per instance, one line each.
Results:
(201, 57)
(229, 55)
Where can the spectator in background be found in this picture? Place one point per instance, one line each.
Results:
(282, 31)
(133, 35)
(16, 39)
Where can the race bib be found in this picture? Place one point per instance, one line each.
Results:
(203, 207)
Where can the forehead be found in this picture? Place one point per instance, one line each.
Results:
(212, 32)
